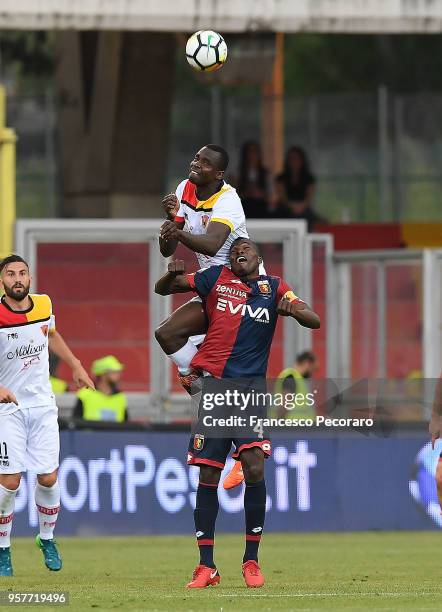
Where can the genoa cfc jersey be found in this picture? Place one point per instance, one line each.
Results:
(224, 207)
(242, 319)
(24, 356)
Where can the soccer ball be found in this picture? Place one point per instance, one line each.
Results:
(206, 50)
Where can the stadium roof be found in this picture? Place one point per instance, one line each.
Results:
(225, 15)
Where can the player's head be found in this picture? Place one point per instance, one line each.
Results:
(208, 165)
(244, 257)
(306, 363)
(14, 277)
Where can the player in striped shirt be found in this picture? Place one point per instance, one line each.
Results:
(242, 308)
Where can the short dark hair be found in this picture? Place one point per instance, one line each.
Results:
(223, 156)
(12, 259)
(244, 239)
(306, 356)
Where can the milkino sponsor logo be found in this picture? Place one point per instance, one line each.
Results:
(260, 314)
(26, 350)
(231, 291)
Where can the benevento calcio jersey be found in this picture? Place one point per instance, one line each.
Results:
(24, 355)
(223, 207)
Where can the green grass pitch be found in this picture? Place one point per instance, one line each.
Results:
(352, 571)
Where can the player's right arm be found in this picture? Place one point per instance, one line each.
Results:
(177, 281)
(174, 281)
(435, 426)
(175, 213)
(170, 204)
(7, 397)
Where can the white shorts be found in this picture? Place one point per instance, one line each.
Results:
(198, 339)
(30, 440)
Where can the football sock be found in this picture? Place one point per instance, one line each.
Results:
(7, 502)
(205, 513)
(255, 510)
(184, 356)
(47, 500)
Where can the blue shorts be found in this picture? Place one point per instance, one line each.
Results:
(214, 451)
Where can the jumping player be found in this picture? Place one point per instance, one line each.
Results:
(236, 345)
(29, 437)
(206, 215)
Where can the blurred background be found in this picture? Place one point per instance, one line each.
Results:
(331, 114)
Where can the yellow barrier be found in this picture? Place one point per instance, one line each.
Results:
(7, 180)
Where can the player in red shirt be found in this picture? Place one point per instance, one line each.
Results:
(242, 307)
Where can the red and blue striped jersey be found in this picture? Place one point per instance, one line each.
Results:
(242, 319)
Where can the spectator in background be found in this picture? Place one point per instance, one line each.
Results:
(106, 402)
(293, 380)
(295, 189)
(58, 385)
(252, 182)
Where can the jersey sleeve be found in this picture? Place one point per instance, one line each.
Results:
(228, 210)
(203, 281)
(286, 292)
(179, 217)
(51, 318)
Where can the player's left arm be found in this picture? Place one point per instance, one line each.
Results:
(58, 346)
(206, 244)
(291, 306)
(299, 311)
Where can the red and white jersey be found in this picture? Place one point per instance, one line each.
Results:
(24, 354)
(223, 207)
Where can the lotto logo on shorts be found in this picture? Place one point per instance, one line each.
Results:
(198, 442)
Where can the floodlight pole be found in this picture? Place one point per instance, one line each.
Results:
(272, 114)
(7, 180)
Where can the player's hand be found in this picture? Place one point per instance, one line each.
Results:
(170, 204)
(176, 267)
(434, 428)
(286, 308)
(81, 378)
(7, 397)
(169, 231)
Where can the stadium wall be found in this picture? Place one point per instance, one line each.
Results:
(138, 483)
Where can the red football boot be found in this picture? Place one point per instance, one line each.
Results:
(203, 577)
(252, 574)
(235, 477)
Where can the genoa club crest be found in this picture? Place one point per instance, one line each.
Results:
(44, 329)
(198, 442)
(264, 287)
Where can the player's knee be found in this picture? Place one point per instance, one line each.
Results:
(209, 475)
(10, 481)
(47, 480)
(162, 336)
(252, 461)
